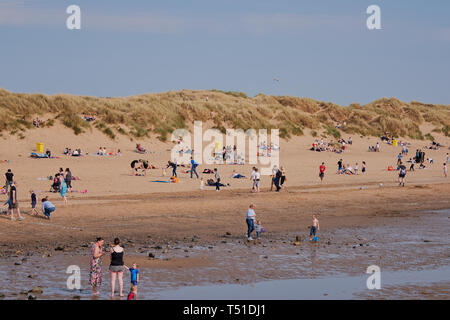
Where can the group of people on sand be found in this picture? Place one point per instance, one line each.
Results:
(62, 183)
(140, 167)
(73, 153)
(348, 169)
(13, 203)
(331, 146)
(278, 178)
(87, 117)
(116, 268)
(255, 225)
(37, 122)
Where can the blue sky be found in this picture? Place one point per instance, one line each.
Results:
(320, 49)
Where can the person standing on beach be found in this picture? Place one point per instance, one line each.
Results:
(314, 227)
(322, 171)
(445, 170)
(9, 179)
(256, 178)
(401, 175)
(63, 190)
(339, 166)
(95, 267)
(217, 177)
(277, 180)
(283, 176)
(68, 179)
(250, 219)
(363, 169)
(274, 172)
(116, 267)
(13, 203)
(33, 203)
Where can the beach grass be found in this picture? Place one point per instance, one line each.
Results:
(160, 113)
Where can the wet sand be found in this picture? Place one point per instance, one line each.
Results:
(415, 244)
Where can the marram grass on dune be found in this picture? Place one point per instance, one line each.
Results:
(159, 114)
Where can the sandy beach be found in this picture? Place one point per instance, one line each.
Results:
(151, 216)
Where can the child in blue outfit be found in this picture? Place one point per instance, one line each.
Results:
(33, 203)
(134, 273)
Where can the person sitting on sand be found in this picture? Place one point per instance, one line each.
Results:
(349, 169)
(140, 148)
(314, 227)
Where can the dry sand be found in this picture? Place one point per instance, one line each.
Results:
(118, 204)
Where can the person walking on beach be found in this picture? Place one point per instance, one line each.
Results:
(9, 179)
(322, 171)
(401, 175)
(116, 267)
(250, 219)
(68, 179)
(314, 227)
(13, 203)
(363, 169)
(95, 267)
(217, 177)
(194, 166)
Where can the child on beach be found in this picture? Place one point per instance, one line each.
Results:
(258, 228)
(33, 203)
(445, 170)
(47, 207)
(132, 295)
(134, 273)
(356, 168)
(314, 227)
(363, 170)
